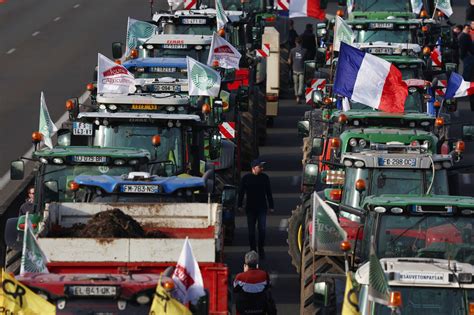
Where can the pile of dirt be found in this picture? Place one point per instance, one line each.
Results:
(109, 224)
(112, 223)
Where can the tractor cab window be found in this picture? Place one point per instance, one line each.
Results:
(139, 136)
(382, 35)
(198, 52)
(384, 5)
(415, 102)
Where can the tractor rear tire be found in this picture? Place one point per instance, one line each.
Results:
(248, 138)
(262, 117)
(296, 230)
(13, 260)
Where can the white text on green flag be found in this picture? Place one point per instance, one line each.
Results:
(328, 233)
(202, 80)
(46, 125)
(221, 17)
(416, 6)
(32, 258)
(343, 33)
(379, 291)
(445, 7)
(138, 32)
(224, 53)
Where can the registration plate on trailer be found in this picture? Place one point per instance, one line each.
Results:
(144, 106)
(89, 159)
(193, 21)
(397, 162)
(381, 25)
(163, 69)
(81, 129)
(165, 88)
(89, 290)
(141, 189)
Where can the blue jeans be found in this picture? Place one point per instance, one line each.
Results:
(259, 218)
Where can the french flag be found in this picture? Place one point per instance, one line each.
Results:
(369, 80)
(435, 55)
(457, 87)
(307, 8)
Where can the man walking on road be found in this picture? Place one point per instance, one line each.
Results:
(256, 185)
(296, 60)
(252, 289)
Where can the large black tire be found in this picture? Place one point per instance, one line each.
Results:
(249, 139)
(262, 117)
(222, 178)
(296, 230)
(13, 260)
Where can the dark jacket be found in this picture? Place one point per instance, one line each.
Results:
(27, 206)
(308, 41)
(292, 35)
(258, 191)
(465, 45)
(252, 293)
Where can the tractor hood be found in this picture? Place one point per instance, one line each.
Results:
(154, 184)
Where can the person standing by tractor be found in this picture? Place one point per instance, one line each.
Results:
(252, 289)
(256, 186)
(296, 60)
(308, 41)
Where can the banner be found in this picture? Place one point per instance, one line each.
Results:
(445, 7)
(224, 53)
(32, 257)
(379, 291)
(328, 233)
(16, 298)
(113, 78)
(343, 33)
(416, 6)
(46, 125)
(202, 80)
(164, 303)
(138, 32)
(187, 276)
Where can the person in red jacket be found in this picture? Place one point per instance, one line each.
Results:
(252, 289)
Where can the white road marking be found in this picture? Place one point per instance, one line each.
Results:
(11, 51)
(56, 19)
(35, 33)
(76, 6)
(6, 177)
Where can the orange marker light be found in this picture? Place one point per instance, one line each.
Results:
(342, 119)
(73, 186)
(69, 105)
(439, 122)
(437, 104)
(395, 299)
(90, 87)
(156, 140)
(340, 13)
(345, 246)
(360, 185)
(134, 53)
(168, 284)
(327, 101)
(460, 146)
(426, 50)
(118, 61)
(206, 108)
(423, 14)
(36, 137)
(215, 63)
(221, 32)
(335, 194)
(335, 143)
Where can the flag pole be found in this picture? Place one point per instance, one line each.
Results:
(23, 251)
(434, 11)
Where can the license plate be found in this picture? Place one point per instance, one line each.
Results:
(193, 21)
(89, 159)
(86, 290)
(141, 189)
(144, 106)
(165, 88)
(385, 51)
(381, 25)
(397, 162)
(162, 69)
(81, 129)
(175, 46)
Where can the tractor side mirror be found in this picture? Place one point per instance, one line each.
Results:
(317, 146)
(309, 69)
(451, 105)
(321, 293)
(317, 97)
(51, 191)
(117, 50)
(468, 132)
(215, 145)
(310, 174)
(17, 170)
(229, 195)
(64, 137)
(303, 128)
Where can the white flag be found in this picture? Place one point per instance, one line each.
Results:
(221, 17)
(343, 33)
(114, 78)
(350, 6)
(445, 7)
(202, 80)
(224, 53)
(138, 32)
(46, 125)
(416, 6)
(32, 257)
(345, 104)
(187, 276)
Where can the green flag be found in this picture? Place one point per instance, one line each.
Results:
(138, 32)
(46, 125)
(328, 234)
(202, 80)
(221, 17)
(416, 6)
(343, 33)
(32, 258)
(379, 291)
(445, 7)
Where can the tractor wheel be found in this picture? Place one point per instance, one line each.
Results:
(248, 137)
(316, 126)
(13, 260)
(296, 230)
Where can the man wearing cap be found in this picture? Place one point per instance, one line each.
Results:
(256, 185)
(252, 289)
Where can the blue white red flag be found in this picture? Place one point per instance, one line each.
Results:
(435, 55)
(457, 87)
(369, 80)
